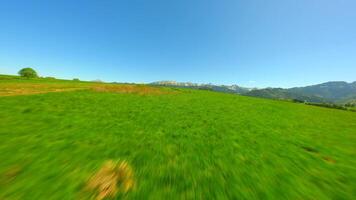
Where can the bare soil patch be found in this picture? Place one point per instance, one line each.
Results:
(136, 89)
(15, 89)
(112, 177)
(30, 88)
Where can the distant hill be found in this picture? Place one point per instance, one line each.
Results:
(279, 93)
(333, 92)
(219, 88)
(329, 92)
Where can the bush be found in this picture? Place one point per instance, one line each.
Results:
(328, 105)
(28, 73)
(75, 79)
(351, 104)
(297, 101)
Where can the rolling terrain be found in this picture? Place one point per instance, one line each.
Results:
(336, 92)
(179, 143)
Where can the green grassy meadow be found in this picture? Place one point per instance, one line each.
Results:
(180, 143)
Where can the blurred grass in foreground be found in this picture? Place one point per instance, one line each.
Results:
(181, 144)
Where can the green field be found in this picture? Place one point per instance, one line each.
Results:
(180, 143)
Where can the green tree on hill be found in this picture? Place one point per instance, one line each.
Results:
(28, 73)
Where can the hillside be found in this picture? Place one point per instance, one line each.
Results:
(338, 92)
(179, 143)
(279, 93)
(218, 88)
(334, 92)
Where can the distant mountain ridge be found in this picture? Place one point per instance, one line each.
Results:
(329, 92)
(333, 91)
(219, 88)
(280, 93)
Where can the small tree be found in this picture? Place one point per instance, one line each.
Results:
(28, 73)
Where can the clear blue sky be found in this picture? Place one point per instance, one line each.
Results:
(259, 43)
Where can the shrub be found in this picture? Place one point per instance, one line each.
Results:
(297, 101)
(28, 73)
(328, 105)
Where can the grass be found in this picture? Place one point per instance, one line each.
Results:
(180, 144)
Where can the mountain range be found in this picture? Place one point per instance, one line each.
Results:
(219, 88)
(338, 92)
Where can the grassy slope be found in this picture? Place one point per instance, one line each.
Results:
(186, 145)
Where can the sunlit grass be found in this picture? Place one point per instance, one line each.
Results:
(181, 144)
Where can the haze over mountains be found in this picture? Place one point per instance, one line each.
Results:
(329, 92)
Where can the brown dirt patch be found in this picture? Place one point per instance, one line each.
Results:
(136, 89)
(112, 177)
(10, 174)
(30, 88)
(329, 159)
(316, 153)
(14, 89)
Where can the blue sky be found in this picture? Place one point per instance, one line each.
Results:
(276, 43)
